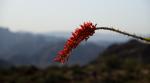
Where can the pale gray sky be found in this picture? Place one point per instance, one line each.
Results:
(66, 15)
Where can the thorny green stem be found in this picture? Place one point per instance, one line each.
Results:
(124, 33)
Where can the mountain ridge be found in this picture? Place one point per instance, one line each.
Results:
(39, 50)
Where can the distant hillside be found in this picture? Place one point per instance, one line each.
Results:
(122, 63)
(5, 64)
(131, 49)
(22, 48)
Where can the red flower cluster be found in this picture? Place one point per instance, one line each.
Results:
(80, 34)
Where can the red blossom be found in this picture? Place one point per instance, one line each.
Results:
(82, 33)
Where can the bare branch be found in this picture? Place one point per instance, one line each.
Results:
(124, 33)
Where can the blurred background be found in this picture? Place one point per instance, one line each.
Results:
(33, 31)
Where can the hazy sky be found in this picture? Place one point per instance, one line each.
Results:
(66, 15)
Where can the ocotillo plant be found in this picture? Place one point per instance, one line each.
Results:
(83, 33)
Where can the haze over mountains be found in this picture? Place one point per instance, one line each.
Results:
(127, 62)
(21, 48)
